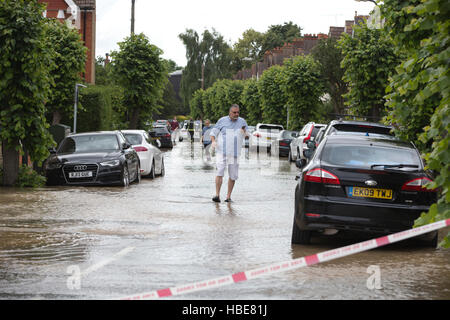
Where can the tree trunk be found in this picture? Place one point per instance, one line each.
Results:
(134, 119)
(10, 164)
(56, 117)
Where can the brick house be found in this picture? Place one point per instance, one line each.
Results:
(79, 14)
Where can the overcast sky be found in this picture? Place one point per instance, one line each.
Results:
(162, 21)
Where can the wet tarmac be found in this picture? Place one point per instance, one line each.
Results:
(108, 242)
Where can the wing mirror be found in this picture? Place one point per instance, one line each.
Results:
(300, 163)
(126, 145)
(308, 153)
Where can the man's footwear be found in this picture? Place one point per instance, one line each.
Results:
(216, 199)
(228, 200)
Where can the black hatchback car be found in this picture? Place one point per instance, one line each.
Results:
(361, 183)
(162, 134)
(93, 158)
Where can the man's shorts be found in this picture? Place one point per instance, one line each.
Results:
(232, 164)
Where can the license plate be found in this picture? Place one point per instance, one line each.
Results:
(370, 193)
(80, 174)
(269, 138)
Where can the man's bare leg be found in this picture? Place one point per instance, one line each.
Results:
(230, 187)
(219, 181)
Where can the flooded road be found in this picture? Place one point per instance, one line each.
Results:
(167, 232)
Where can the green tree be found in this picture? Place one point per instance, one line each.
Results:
(139, 69)
(247, 50)
(278, 34)
(418, 94)
(327, 53)
(196, 104)
(69, 62)
(273, 98)
(102, 72)
(303, 89)
(251, 98)
(24, 84)
(369, 60)
(211, 52)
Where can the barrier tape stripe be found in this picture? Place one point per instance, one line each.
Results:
(290, 264)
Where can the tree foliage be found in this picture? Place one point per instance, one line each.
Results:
(273, 98)
(251, 99)
(418, 94)
(327, 53)
(24, 83)
(141, 72)
(69, 57)
(303, 89)
(212, 52)
(369, 60)
(278, 34)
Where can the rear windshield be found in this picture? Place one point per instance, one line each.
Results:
(133, 138)
(360, 128)
(365, 156)
(288, 134)
(271, 128)
(160, 130)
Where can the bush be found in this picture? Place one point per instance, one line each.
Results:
(100, 109)
(28, 178)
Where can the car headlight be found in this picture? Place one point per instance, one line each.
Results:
(52, 165)
(112, 163)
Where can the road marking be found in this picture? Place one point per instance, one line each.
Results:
(290, 264)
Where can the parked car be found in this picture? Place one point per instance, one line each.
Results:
(263, 135)
(250, 130)
(298, 145)
(151, 157)
(100, 158)
(282, 143)
(356, 128)
(361, 183)
(162, 134)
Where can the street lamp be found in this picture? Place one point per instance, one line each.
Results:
(75, 106)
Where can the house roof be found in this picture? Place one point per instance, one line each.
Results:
(85, 4)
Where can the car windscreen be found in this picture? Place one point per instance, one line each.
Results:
(315, 131)
(133, 138)
(89, 143)
(353, 127)
(364, 156)
(160, 130)
(271, 128)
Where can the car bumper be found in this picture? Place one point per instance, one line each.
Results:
(104, 176)
(334, 213)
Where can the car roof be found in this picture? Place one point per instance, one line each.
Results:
(368, 140)
(93, 133)
(132, 131)
(357, 122)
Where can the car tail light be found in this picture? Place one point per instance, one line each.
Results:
(140, 149)
(167, 135)
(417, 184)
(283, 144)
(309, 135)
(312, 215)
(321, 176)
(256, 134)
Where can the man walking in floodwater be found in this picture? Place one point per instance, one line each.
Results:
(226, 138)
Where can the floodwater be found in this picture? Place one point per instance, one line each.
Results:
(167, 232)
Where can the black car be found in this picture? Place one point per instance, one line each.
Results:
(93, 158)
(283, 142)
(162, 134)
(360, 183)
(346, 127)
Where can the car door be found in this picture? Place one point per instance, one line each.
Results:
(131, 157)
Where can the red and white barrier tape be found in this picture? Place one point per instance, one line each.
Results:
(290, 264)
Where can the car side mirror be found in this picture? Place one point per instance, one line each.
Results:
(308, 153)
(300, 163)
(126, 145)
(52, 150)
(311, 144)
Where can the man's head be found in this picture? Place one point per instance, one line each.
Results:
(207, 123)
(234, 112)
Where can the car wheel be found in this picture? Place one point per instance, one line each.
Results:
(125, 177)
(152, 171)
(299, 236)
(163, 169)
(138, 174)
